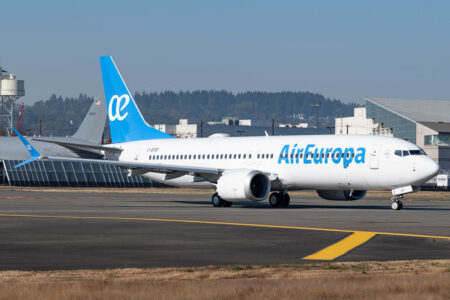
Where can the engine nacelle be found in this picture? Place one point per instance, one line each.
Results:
(243, 184)
(341, 195)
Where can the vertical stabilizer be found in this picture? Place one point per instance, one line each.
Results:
(125, 120)
(93, 125)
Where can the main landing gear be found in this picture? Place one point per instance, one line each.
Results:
(219, 202)
(396, 202)
(278, 199)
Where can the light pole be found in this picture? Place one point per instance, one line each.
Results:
(316, 106)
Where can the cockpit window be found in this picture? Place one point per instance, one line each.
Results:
(403, 153)
(415, 152)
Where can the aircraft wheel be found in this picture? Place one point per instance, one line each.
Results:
(217, 201)
(285, 200)
(275, 199)
(396, 205)
(227, 203)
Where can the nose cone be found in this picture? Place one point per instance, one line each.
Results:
(430, 169)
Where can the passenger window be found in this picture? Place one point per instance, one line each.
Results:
(249, 156)
(301, 155)
(271, 155)
(207, 157)
(257, 156)
(239, 156)
(245, 155)
(234, 156)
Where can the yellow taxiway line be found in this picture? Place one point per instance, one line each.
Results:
(225, 223)
(352, 241)
(343, 246)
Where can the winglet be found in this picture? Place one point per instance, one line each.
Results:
(34, 154)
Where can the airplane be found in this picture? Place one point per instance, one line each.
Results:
(338, 167)
(88, 134)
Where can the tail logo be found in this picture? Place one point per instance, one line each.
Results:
(117, 104)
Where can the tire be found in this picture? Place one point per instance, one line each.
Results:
(217, 201)
(275, 200)
(395, 205)
(227, 203)
(285, 200)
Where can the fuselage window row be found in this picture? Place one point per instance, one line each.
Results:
(208, 156)
(317, 155)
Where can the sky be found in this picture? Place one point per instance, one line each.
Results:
(342, 49)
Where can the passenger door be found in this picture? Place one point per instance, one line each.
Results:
(374, 158)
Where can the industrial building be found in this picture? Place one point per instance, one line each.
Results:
(423, 122)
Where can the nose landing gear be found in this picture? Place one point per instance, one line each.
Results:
(397, 204)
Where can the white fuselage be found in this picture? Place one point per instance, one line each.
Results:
(298, 162)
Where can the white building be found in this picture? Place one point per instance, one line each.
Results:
(360, 124)
(180, 130)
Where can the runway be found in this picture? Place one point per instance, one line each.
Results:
(77, 230)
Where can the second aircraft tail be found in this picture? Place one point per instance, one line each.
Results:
(125, 120)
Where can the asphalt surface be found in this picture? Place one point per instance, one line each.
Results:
(47, 230)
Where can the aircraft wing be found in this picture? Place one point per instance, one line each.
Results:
(76, 144)
(139, 167)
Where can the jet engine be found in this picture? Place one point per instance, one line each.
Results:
(341, 195)
(243, 184)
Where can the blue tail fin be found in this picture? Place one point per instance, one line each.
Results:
(125, 120)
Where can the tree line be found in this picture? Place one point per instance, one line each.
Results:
(62, 116)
